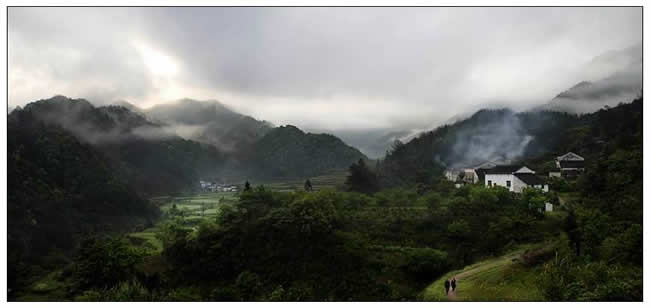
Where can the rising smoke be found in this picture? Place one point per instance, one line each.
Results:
(500, 140)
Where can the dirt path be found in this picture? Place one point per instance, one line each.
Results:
(503, 261)
(490, 279)
(451, 295)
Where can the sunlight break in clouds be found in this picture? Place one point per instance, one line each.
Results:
(401, 68)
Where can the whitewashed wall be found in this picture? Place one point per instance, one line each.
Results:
(517, 185)
(500, 180)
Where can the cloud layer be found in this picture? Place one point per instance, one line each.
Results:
(319, 68)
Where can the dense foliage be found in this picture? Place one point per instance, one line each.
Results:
(59, 189)
(603, 255)
(361, 178)
(329, 245)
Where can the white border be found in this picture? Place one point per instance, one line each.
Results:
(3, 130)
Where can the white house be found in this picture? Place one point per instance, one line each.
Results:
(514, 178)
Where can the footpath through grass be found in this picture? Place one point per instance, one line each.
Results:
(498, 279)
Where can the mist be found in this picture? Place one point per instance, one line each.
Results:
(332, 69)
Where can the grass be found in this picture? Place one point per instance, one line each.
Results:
(50, 287)
(568, 197)
(192, 214)
(497, 279)
(149, 239)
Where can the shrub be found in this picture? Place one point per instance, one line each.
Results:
(105, 262)
(424, 263)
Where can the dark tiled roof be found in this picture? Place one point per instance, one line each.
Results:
(570, 156)
(572, 164)
(503, 169)
(529, 178)
(481, 174)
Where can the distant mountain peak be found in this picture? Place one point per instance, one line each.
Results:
(615, 77)
(570, 92)
(210, 122)
(128, 106)
(581, 85)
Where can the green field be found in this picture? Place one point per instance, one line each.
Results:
(206, 206)
(192, 214)
(498, 279)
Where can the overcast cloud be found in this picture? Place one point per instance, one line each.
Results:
(317, 68)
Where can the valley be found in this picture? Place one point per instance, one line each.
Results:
(392, 229)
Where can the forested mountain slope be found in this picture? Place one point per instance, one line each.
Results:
(145, 155)
(59, 190)
(287, 151)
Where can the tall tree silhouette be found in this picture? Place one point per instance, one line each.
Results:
(361, 179)
(308, 186)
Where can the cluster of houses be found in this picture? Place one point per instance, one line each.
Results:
(513, 177)
(516, 177)
(208, 186)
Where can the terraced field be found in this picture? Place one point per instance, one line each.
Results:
(331, 179)
(191, 209)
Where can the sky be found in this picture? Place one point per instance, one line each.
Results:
(327, 69)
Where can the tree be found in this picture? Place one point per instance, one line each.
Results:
(247, 186)
(571, 228)
(105, 262)
(308, 186)
(361, 179)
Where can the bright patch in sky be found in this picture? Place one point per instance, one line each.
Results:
(160, 64)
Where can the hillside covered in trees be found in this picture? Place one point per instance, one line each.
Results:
(60, 190)
(151, 155)
(500, 136)
(143, 154)
(286, 152)
(389, 243)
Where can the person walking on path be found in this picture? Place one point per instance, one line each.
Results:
(453, 284)
(447, 287)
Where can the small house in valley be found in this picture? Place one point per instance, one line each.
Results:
(569, 165)
(513, 177)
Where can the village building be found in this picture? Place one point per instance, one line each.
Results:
(513, 177)
(208, 186)
(469, 175)
(569, 165)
